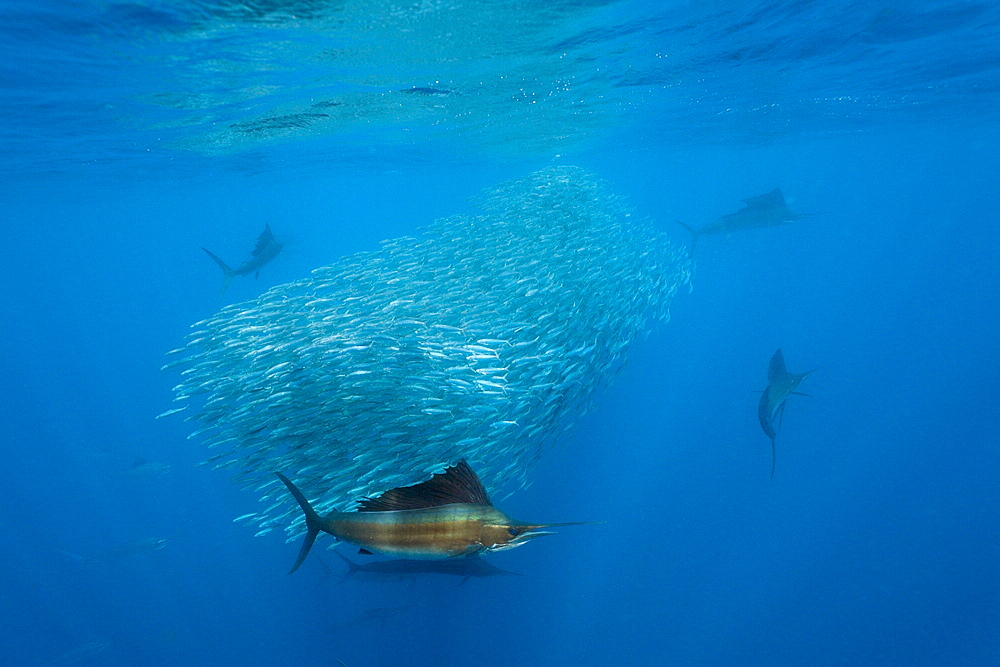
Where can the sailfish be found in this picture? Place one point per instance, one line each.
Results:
(766, 210)
(400, 568)
(266, 249)
(448, 516)
(780, 385)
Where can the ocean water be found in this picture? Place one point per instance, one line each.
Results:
(135, 133)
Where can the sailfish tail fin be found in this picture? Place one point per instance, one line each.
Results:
(352, 567)
(313, 521)
(226, 271)
(222, 265)
(691, 230)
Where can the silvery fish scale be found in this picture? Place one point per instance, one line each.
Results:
(485, 338)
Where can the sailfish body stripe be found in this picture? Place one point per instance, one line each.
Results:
(438, 532)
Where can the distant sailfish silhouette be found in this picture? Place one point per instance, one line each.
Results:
(780, 385)
(267, 248)
(767, 210)
(401, 568)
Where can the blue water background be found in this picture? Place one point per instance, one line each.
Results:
(877, 541)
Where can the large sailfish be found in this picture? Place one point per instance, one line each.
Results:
(780, 385)
(448, 516)
(766, 210)
(266, 249)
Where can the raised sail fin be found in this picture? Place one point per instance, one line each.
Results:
(457, 484)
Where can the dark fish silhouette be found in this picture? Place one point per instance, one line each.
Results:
(371, 619)
(448, 516)
(267, 248)
(419, 90)
(466, 568)
(780, 385)
(145, 468)
(130, 549)
(80, 654)
(767, 210)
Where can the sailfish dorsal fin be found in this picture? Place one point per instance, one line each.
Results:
(774, 198)
(457, 484)
(776, 369)
(265, 239)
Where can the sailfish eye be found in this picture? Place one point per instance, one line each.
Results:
(513, 530)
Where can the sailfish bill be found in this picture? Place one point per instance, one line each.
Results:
(448, 516)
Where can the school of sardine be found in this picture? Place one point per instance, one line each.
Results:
(485, 339)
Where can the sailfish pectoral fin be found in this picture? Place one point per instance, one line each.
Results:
(313, 522)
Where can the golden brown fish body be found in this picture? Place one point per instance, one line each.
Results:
(447, 531)
(448, 516)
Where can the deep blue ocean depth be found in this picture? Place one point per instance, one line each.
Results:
(134, 133)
